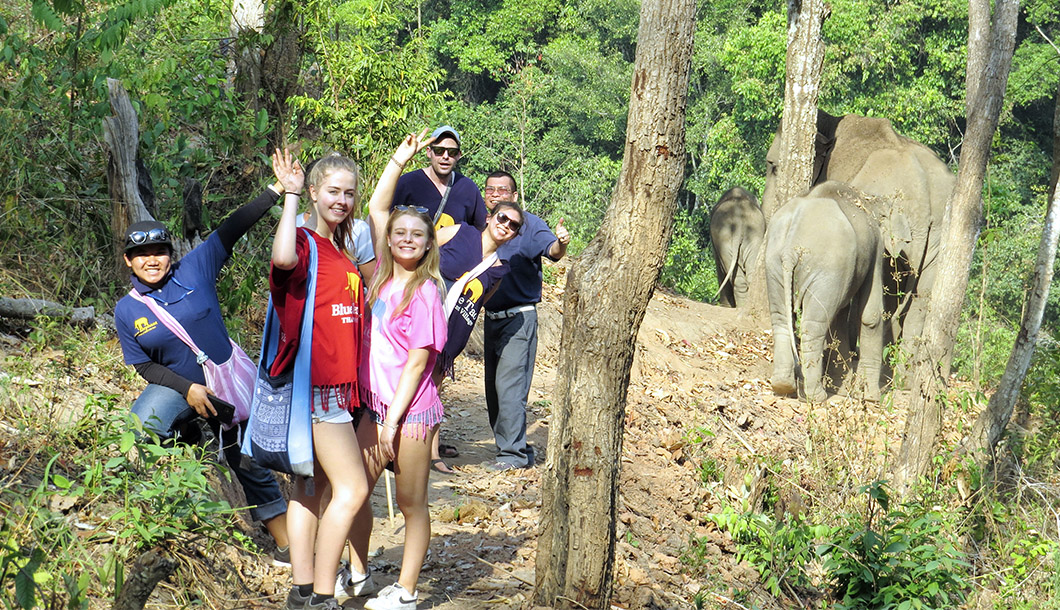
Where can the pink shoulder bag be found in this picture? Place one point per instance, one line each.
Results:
(231, 381)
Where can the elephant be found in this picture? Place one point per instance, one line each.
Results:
(824, 254)
(869, 155)
(736, 230)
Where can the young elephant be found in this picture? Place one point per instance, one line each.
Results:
(823, 253)
(736, 229)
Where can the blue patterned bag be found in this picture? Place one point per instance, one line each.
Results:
(280, 431)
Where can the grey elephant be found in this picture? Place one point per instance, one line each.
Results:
(869, 155)
(824, 256)
(736, 230)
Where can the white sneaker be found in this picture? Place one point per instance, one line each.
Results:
(354, 583)
(393, 597)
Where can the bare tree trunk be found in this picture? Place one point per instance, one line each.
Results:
(244, 60)
(127, 175)
(802, 86)
(984, 436)
(608, 289)
(122, 134)
(988, 428)
(960, 230)
(804, 63)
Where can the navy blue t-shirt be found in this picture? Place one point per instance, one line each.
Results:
(460, 254)
(465, 202)
(522, 285)
(190, 296)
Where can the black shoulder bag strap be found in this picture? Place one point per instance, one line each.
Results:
(445, 197)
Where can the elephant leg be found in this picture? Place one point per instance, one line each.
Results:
(870, 339)
(780, 314)
(816, 320)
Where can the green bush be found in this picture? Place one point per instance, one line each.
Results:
(901, 559)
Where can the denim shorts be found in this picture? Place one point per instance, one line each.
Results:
(334, 415)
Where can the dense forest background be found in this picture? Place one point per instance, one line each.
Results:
(537, 88)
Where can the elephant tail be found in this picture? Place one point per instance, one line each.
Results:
(728, 274)
(788, 262)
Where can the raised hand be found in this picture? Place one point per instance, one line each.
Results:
(288, 171)
(410, 146)
(562, 234)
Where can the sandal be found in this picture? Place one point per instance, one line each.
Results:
(447, 451)
(439, 465)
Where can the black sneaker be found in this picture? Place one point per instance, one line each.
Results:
(296, 601)
(281, 557)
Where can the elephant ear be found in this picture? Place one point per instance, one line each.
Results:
(894, 227)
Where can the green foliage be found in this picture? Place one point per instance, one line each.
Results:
(689, 268)
(160, 493)
(781, 551)
(895, 558)
(376, 80)
(881, 557)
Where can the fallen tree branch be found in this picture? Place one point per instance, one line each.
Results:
(27, 309)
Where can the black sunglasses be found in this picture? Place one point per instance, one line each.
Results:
(411, 208)
(454, 151)
(137, 238)
(504, 219)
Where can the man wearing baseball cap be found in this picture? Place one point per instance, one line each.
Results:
(448, 196)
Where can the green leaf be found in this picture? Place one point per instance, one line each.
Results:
(45, 14)
(128, 439)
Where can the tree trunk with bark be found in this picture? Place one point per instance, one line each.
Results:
(144, 574)
(802, 86)
(930, 363)
(122, 135)
(608, 290)
(985, 435)
(244, 60)
(804, 63)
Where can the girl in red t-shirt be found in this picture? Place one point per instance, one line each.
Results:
(335, 355)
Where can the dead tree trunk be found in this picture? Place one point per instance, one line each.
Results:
(127, 175)
(27, 309)
(960, 230)
(608, 289)
(122, 134)
(804, 63)
(244, 60)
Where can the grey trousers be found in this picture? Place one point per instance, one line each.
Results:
(510, 350)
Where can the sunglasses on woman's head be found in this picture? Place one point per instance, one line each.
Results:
(411, 208)
(504, 219)
(454, 151)
(154, 235)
